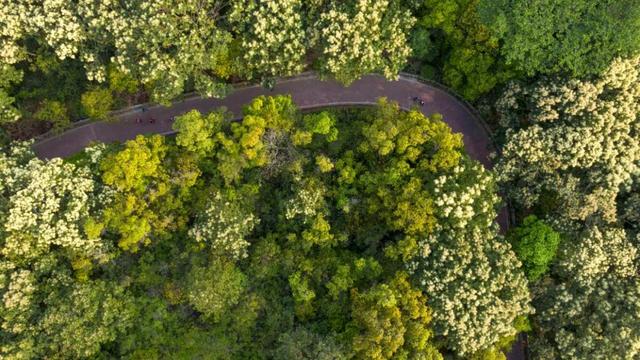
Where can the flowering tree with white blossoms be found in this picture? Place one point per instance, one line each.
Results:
(165, 43)
(70, 28)
(594, 312)
(307, 201)
(162, 43)
(470, 273)
(46, 204)
(272, 35)
(225, 224)
(576, 139)
(362, 36)
(576, 143)
(46, 210)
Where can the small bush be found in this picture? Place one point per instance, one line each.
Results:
(97, 103)
(55, 113)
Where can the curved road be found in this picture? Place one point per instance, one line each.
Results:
(308, 92)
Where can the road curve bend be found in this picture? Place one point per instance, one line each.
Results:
(307, 91)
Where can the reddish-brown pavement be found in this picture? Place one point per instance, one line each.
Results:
(308, 92)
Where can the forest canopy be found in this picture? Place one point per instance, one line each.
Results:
(352, 233)
(284, 235)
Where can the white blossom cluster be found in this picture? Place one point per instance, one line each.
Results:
(19, 288)
(224, 225)
(467, 193)
(599, 251)
(96, 152)
(62, 24)
(595, 312)
(15, 22)
(368, 36)
(47, 204)
(163, 43)
(273, 37)
(473, 284)
(307, 201)
(581, 138)
(469, 273)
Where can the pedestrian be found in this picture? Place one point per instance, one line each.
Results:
(152, 120)
(138, 120)
(421, 102)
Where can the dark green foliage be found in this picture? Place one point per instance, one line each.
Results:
(451, 45)
(54, 113)
(536, 244)
(578, 37)
(48, 78)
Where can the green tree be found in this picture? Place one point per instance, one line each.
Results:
(215, 288)
(76, 319)
(97, 103)
(150, 188)
(450, 37)
(239, 258)
(391, 321)
(535, 243)
(133, 168)
(578, 37)
(196, 133)
(9, 76)
(121, 82)
(55, 113)
(303, 344)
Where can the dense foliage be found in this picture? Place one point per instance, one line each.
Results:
(345, 234)
(573, 36)
(452, 45)
(571, 155)
(162, 48)
(281, 236)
